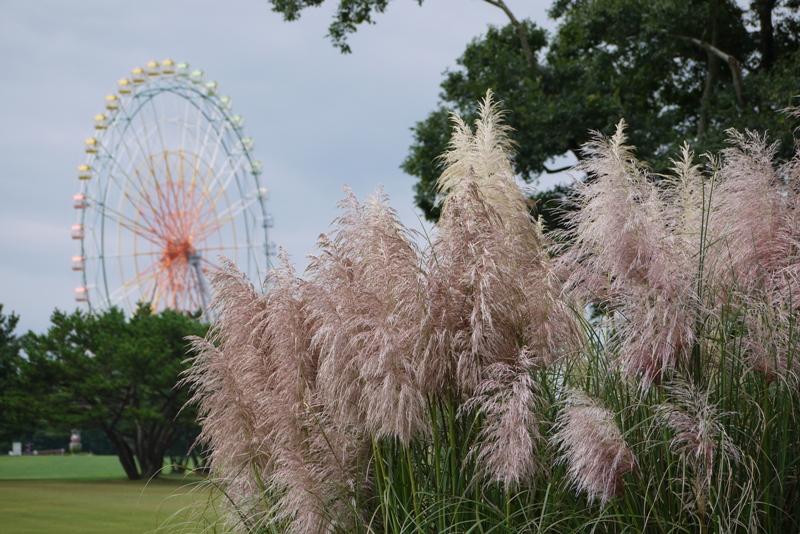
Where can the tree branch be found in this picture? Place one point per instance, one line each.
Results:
(523, 39)
(733, 64)
(560, 169)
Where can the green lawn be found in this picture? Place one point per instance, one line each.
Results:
(90, 494)
(82, 467)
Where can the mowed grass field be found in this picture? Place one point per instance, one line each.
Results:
(90, 494)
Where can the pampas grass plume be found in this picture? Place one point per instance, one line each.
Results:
(592, 447)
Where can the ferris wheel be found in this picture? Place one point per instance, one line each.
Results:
(169, 184)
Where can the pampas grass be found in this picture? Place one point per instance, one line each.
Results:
(698, 436)
(631, 251)
(463, 387)
(592, 447)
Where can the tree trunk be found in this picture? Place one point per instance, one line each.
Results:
(152, 442)
(766, 32)
(124, 453)
(712, 76)
(713, 70)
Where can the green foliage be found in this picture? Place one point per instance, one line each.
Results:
(16, 417)
(104, 371)
(349, 15)
(648, 62)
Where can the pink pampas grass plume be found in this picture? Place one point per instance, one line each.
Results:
(633, 251)
(508, 444)
(593, 448)
(227, 372)
(495, 312)
(699, 436)
(747, 215)
(368, 309)
(490, 289)
(255, 383)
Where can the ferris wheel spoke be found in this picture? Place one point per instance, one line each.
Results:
(115, 162)
(129, 183)
(229, 176)
(131, 285)
(146, 231)
(157, 121)
(214, 225)
(109, 167)
(129, 224)
(208, 199)
(150, 126)
(160, 204)
(139, 137)
(182, 136)
(182, 209)
(200, 134)
(216, 220)
(171, 204)
(204, 176)
(208, 256)
(145, 254)
(150, 215)
(190, 206)
(221, 133)
(222, 248)
(212, 131)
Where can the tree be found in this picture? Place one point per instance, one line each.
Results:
(15, 415)
(674, 70)
(118, 375)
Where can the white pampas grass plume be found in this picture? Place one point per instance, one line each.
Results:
(592, 447)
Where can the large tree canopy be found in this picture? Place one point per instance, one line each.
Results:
(118, 375)
(675, 70)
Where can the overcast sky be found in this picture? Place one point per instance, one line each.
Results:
(320, 119)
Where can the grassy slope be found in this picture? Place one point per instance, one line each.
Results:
(89, 494)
